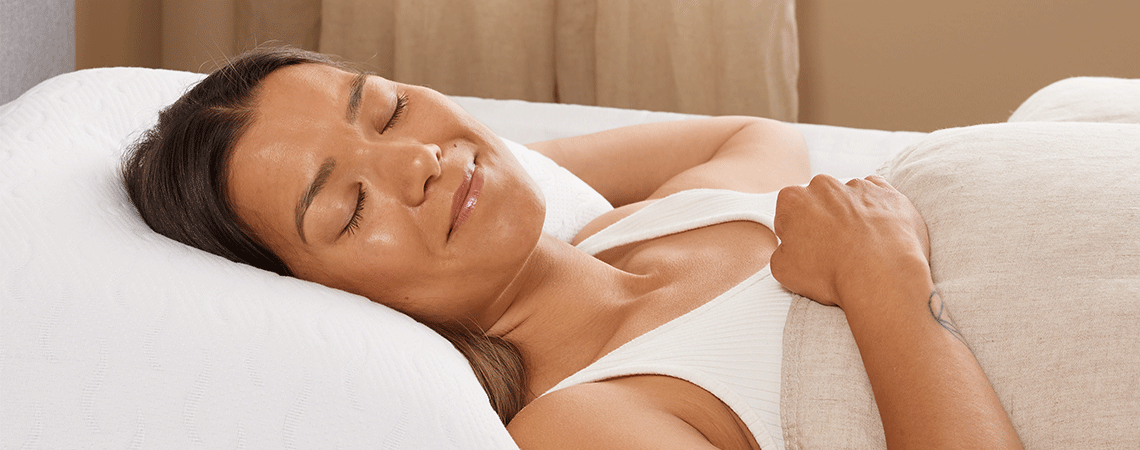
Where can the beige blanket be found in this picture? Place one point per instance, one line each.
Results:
(1035, 240)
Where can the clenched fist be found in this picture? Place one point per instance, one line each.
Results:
(847, 242)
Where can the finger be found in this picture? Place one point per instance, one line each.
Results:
(782, 268)
(789, 198)
(823, 180)
(879, 181)
(776, 262)
(825, 189)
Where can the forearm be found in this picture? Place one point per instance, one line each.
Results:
(862, 246)
(631, 164)
(929, 388)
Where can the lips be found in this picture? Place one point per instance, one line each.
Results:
(463, 203)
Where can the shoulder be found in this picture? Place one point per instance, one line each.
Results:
(603, 416)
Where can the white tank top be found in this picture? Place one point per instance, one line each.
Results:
(730, 346)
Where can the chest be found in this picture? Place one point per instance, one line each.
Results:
(689, 269)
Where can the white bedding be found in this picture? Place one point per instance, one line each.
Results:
(113, 336)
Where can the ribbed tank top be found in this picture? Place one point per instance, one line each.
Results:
(730, 346)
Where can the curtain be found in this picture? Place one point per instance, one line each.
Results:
(704, 57)
(483, 48)
(200, 35)
(695, 56)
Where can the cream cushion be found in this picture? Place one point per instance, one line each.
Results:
(1083, 99)
(1035, 241)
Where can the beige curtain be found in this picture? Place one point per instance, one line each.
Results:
(199, 35)
(484, 48)
(695, 56)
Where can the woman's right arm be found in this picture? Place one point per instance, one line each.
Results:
(863, 247)
(634, 165)
(630, 164)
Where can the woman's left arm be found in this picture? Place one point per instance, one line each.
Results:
(863, 247)
(631, 164)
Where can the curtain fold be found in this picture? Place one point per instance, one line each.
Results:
(705, 57)
(486, 48)
(695, 56)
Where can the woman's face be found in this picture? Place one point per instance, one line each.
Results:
(385, 190)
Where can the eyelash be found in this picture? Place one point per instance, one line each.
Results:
(354, 222)
(401, 104)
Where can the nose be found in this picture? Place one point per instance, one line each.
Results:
(420, 168)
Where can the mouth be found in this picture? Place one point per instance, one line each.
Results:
(465, 198)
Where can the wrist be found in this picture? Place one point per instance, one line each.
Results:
(882, 283)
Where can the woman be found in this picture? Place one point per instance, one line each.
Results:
(286, 161)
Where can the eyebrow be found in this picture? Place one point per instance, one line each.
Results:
(355, 92)
(311, 192)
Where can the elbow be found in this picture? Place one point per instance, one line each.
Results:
(784, 145)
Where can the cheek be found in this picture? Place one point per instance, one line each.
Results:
(381, 240)
(388, 257)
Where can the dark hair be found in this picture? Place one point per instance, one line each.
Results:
(176, 177)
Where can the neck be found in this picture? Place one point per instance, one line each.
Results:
(564, 308)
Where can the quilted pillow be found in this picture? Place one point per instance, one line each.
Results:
(112, 334)
(1036, 249)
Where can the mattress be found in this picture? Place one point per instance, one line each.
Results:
(114, 336)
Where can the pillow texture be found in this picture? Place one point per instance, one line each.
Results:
(1035, 247)
(570, 202)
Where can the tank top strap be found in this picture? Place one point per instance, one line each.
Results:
(683, 211)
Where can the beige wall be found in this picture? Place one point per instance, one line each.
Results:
(924, 65)
(886, 64)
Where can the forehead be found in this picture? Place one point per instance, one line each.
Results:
(297, 83)
(291, 107)
(295, 109)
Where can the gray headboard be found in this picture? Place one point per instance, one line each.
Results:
(37, 42)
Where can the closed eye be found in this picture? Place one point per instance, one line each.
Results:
(401, 104)
(354, 221)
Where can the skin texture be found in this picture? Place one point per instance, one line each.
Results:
(401, 247)
(562, 308)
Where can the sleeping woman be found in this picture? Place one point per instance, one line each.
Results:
(660, 328)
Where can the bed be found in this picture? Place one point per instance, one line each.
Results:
(113, 336)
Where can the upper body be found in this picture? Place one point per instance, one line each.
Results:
(533, 290)
(392, 192)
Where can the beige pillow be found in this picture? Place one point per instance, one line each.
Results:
(1083, 99)
(1035, 239)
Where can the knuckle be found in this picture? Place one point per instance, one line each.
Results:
(789, 194)
(823, 179)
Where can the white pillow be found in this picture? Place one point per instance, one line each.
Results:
(115, 336)
(1083, 99)
(570, 202)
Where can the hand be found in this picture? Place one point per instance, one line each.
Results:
(848, 241)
